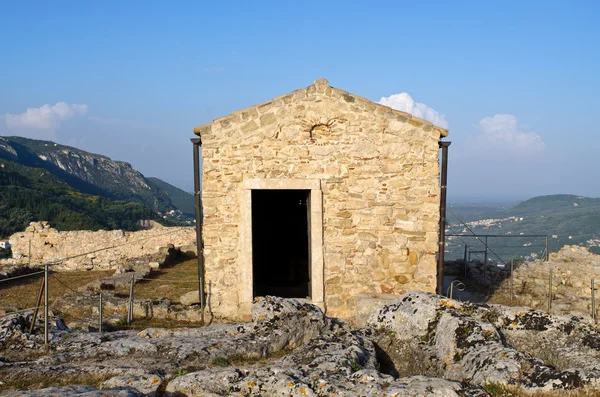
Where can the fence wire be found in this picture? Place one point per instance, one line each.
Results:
(80, 305)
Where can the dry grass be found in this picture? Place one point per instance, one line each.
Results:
(170, 281)
(23, 293)
(140, 324)
(503, 298)
(499, 390)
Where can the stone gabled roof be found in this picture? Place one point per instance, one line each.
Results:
(322, 85)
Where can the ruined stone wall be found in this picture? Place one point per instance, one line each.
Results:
(49, 244)
(379, 176)
(573, 268)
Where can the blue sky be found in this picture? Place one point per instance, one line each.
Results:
(516, 82)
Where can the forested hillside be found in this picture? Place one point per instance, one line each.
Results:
(566, 219)
(86, 172)
(181, 199)
(33, 194)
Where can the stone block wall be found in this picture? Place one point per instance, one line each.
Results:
(379, 176)
(48, 244)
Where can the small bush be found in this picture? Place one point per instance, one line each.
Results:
(220, 362)
(5, 253)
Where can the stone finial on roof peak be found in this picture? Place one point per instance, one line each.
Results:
(321, 83)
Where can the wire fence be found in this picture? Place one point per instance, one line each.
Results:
(511, 269)
(515, 269)
(91, 298)
(564, 288)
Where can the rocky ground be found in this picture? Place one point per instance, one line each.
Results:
(419, 345)
(80, 302)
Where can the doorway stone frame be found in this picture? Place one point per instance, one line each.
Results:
(316, 235)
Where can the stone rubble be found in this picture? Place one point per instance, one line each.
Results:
(292, 349)
(15, 328)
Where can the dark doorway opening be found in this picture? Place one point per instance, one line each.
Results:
(280, 243)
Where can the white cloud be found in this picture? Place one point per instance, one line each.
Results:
(47, 117)
(504, 132)
(405, 103)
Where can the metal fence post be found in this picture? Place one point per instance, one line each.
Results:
(485, 255)
(130, 307)
(485, 269)
(100, 310)
(593, 301)
(37, 306)
(512, 291)
(550, 290)
(46, 305)
(465, 261)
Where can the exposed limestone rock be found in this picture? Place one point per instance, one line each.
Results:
(190, 298)
(190, 250)
(562, 341)
(292, 349)
(147, 383)
(366, 304)
(273, 308)
(321, 357)
(79, 391)
(471, 348)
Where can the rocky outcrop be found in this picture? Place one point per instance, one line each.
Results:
(292, 349)
(79, 390)
(561, 341)
(469, 343)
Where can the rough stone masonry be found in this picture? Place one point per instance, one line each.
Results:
(373, 174)
(45, 243)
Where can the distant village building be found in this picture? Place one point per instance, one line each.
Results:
(318, 194)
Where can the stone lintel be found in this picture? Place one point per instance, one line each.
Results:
(287, 184)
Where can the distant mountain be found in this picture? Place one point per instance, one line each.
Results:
(86, 172)
(74, 189)
(181, 199)
(33, 194)
(566, 219)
